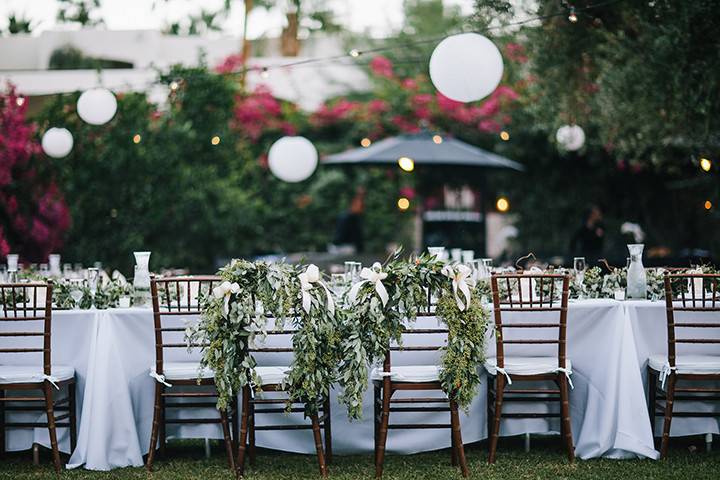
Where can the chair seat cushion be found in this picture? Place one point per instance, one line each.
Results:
(33, 373)
(183, 371)
(409, 373)
(527, 365)
(688, 364)
(272, 375)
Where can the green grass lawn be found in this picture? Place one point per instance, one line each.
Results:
(185, 460)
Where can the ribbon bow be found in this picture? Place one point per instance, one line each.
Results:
(461, 276)
(308, 278)
(373, 275)
(224, 290)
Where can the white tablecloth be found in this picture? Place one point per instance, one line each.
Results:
(648, 320)
(112, 351)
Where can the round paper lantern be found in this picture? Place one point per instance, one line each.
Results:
(570, 137)
(97, 106)
(57, 142)
(466, 67)
(292, 159)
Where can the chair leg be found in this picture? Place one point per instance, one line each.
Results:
(565, 414)
(2, 424)
(490, 403)
(495, 431)
(459, 449)
(155, 427)
(235, 422)
(377, 402)
(72, 406)
(49, 410)
(228, 441)
(652, 391)
(382, 435)
(251, 432)
(453, 446)
(242, 439)
(163, 427)
(318, 445)
(669, 397)
(327, 427)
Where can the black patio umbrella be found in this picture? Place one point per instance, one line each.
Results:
(424, 149)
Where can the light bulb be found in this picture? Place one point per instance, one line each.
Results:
(406, 164)
(403, 203)
(502, 204)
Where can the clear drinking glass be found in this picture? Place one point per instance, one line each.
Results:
(488, 263)
(44, 270)
(337, 284)
(93, 277)
(436, 252)
(352, 271)
(3, 274)
(579, 267)
(76, 293)
(12, 262)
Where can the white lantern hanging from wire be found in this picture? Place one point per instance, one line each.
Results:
(97, 106)
(292, 159)
(57, 142)
(466, 67)
(570, 137)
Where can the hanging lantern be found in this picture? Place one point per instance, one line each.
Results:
(466, 67)
(57, 142)
(292, 159)
(97, 106)
(570, 137)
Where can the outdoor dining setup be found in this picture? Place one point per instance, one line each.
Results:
(283, 356)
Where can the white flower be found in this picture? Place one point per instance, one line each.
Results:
(224, 290)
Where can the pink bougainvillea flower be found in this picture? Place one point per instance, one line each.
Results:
(489, 126)
(230, 64)
(382, 66)
(515, 52)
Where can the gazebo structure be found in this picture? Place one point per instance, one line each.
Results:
(430, 152)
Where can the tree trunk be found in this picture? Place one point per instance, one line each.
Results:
(289, 42)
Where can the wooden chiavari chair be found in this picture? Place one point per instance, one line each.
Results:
(174, 298)
(23, 304)
(519, 297)
(414, 378)
(695, 301)
(271, 378)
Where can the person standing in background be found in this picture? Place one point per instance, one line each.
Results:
(588, 240)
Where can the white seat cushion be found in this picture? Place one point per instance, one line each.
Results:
(527, 365)
(33, 373)
(690, 364)
(272, 375)
(183, 371)
(409, 373)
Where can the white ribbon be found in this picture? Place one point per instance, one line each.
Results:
(52, 380)
(373, 275)
(224, 290)
(567, 373)
(504, 372)
(159, 378)
(664, 373)
(462, 280)
(308, 279)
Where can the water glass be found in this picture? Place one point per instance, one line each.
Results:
(467, 256)
(436, 252)
(352, 271)
(579, 267)
(488, 263)
(93, 277)
(12, 262)
(456, 254)
(337, 284)
(44, 270)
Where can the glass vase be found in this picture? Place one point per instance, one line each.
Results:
(141, 280)
(636, 277)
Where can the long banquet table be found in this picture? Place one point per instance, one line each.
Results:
(112, 351)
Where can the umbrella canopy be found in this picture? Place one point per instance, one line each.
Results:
(423, 149)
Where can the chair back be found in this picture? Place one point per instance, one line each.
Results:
(172, 298)
(693, 294)
(23, 303)
(527, 293)
(432, 339)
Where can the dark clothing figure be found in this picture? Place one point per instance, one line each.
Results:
(349, 227)
(588, 240)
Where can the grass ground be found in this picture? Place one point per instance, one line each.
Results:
(185, 460)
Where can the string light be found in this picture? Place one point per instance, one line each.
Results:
(365, 142)
(264, 73)
(705, 164)
(354, 53)
(137, 138)
(502, 204)
(174, 85)
(708, 204)
(215, 140)
(406, 163)
(437, 139)
(573, 16)
(504, 136)
(403, 203)
(20, 101)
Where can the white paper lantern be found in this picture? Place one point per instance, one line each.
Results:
(97, 106)
(466, 67)
(292, 159)
(570, 137)
(57, 142)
